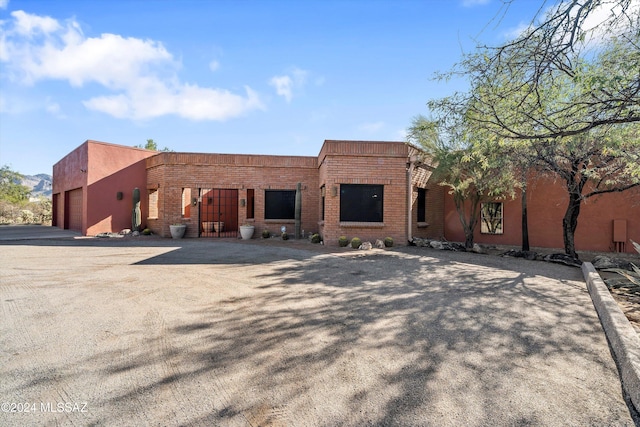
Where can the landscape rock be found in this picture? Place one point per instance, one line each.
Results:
(478, 249)
(563, 259)
(366, 246)
(602, 262)
(125, 231)
(436, 245)
(379, 244)
(530, 255)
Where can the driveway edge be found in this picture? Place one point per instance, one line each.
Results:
(622, 337)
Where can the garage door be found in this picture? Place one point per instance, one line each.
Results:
(73, 209)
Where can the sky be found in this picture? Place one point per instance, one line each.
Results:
(249, 77)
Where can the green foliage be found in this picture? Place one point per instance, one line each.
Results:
(266, 234)
(388, 242)
(343, 241)
(315, 238)
(285, 236)
(151, 145)
(356, 242)
(10, 188)
(146, 232)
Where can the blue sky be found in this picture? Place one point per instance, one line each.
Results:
(253, 77)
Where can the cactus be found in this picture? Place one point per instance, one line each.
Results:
(298, 210)
(343, 241)
(136, 216)
(356, 242)
(388, 242)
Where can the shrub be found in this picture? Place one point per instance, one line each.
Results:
(356, 242)
(343, 241)
(388, 242)
(146, 232)
(266, 234)
(285, 236)
(315, 238)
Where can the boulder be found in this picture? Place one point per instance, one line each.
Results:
(563, 259)
(436, 245)
(530, 255)
(379, 244)
(602, 262)
(366, 246)
(478, 249)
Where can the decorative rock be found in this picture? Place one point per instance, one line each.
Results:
(602, 262)
(478, 249)
(379, 244)
(125, 231)
(366, 246)
(135, 233)
(563, 259)
(531, 256)
(436, 245)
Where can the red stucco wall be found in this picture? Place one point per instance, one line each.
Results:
(547, 202)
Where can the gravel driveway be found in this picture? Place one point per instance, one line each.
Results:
(205, 332)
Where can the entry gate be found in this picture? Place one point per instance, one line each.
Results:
(218, 212)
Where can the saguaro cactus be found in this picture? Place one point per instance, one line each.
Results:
(136, 216)
(298, 209)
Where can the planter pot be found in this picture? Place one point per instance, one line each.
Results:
(246, 231)
(177, 231)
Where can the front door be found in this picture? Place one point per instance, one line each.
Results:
(218, 212)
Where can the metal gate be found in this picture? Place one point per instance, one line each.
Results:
(218, 212)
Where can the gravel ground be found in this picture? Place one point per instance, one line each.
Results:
(208, 332)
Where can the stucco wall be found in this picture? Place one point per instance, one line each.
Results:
(547, 202)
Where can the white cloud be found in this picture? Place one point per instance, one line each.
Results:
(283, 85)
(140, 74)
(289, 83)
(4, 4)
(214, 65)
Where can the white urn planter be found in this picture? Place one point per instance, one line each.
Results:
(246, 231)
(177, 230)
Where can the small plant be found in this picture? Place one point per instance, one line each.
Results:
(343, 241)
(356, 242)
(146, 232)
(285, 236)
(388, 242)
(315, 238)
(266, 234)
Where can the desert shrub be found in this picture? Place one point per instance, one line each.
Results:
(343, 241)
(356, 242)
(285, 236)
(388, 242)
(266, 234)
(315, 238)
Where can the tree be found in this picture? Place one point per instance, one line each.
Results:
(151, 145)
(602, 58)
(470, 169)
(10, 188)
(601, 161)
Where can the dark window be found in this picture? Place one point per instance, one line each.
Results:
(250, 202)
(361, 202)
(422, 205)
(279, 204)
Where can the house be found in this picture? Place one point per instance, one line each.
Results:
(363, 189)
(353, 188)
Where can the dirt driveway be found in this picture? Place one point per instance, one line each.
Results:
(202, 332)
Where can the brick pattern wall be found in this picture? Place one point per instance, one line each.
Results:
(169, 173)
(354, 162)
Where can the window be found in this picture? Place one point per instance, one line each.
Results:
(279, 204)
(422, 205)
(250, 203)
(361, 202)
(186, 202)
(153, 203)
(491, 218)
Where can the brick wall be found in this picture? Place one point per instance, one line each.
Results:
(169, 173)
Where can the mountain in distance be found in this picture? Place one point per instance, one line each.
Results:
(40, 185)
